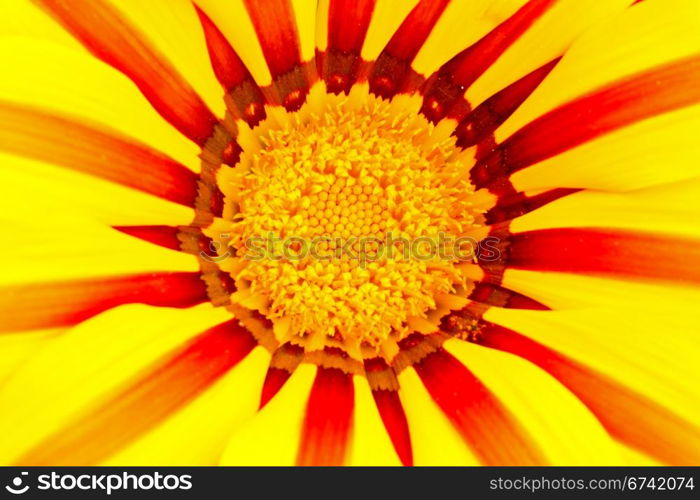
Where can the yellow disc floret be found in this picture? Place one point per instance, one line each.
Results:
(341, 221)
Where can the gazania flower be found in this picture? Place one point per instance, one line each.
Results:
(168, 164)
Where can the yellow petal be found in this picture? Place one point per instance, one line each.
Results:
(73, 248)
(639, 38)
(197, 434)
(452, 34)
(657, 150)
(370, 444)
(621, 381)
(79, 368)
(272, 437)
(33, 192)
(387, 17)
(636, 459)
(435, 441)
(548, 37)
(166, 23)
(321, 33)
(18, 347)
(668, 209)
(636, 347)
(305, 18)
(234, 22)
(22, 18)
(556, 421)
(573, 291)
(74, 83)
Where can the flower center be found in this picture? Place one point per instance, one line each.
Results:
(350, 227)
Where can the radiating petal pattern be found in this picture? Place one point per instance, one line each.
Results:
(148, 147)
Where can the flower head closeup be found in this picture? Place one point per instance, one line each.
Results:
(350, 232)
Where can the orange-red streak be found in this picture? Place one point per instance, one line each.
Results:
(348, 21)
(103, 30)
(231, 72)
(489, 115)
(628, 416)
(143, 403)
(393, 64)
(276, 28)
(394, 418)
(62, 141)
(65, 303)
(274, 381)
(460, 72)
(328, 421)
(164, 236)
(484, 423)
(650, 93)
(606, 252)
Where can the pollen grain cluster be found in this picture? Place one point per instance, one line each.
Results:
(339, 220)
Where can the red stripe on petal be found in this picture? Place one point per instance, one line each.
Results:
(285, 360)
(164, 236)
(146, 401)
(394, 418)
(496, 295)
(471, 63)
(232, 73)
(274, 381)
(65, 303)
(414, 30)
(385, 386)
(111, 38)
(485, 424)
(393, 64)
(510, 207)
(606, 251)
(489, 115)
(457, 74)
(275, 25)
(276, 28)
(228, 67)
(61, 141)
(328, 421)
(348, 22)
(627, 415)
(451, 81)
(642, 96)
